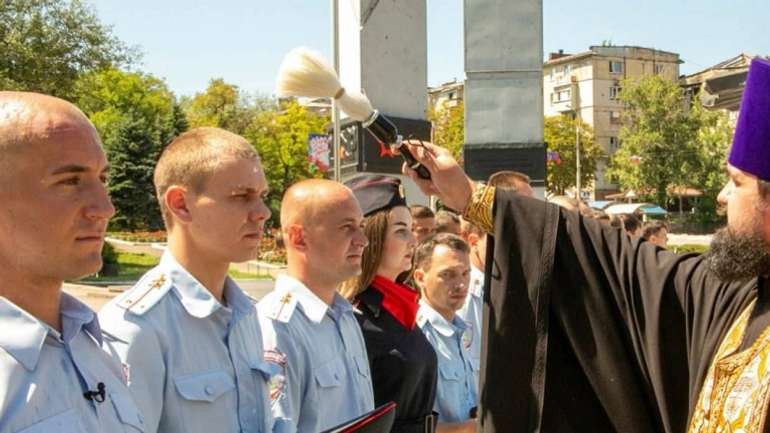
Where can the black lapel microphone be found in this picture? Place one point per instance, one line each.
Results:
(98, 395)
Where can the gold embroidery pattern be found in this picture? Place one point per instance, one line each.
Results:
(734, 397)
(479, 210)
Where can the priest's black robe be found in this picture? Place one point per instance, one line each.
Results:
(589, 330)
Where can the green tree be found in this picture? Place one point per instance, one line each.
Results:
(221, 105)
(281, 138)
(713, 141)
(48, 44)
(659, 138)
(449, 128)
(559, 134)
(136, 116)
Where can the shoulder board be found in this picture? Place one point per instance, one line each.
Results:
(281, 307)
(146, 293)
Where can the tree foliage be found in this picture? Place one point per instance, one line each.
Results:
(48, 44)
(667, 143)
(559, 134)
(224, 106)
(658, 138)
(281, 138)
(136, 116)
(449, 128)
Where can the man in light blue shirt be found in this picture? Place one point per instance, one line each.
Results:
(472, 310)
(56, 372)
(310, 333)
(188, 335)
(442, 269)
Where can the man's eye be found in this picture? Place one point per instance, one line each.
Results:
(75, 180)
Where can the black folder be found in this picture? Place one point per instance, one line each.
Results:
(380, 420)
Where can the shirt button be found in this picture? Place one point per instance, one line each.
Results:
(209, 390)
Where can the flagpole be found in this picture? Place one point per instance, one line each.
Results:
(335, 106)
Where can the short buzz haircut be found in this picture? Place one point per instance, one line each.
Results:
(193, 156)
(507, 179)
(444, 220)
(424, 253)
(652, 228)
(420, 211)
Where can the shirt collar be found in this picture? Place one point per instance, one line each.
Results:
(312, 306)
(195, 297)
(26, 341)
(75, 316)
(438, 322)
(477, 282)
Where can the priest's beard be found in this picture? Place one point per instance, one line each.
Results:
(738, 256)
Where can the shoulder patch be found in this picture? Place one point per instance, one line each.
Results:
(146, 293)
(282, 307)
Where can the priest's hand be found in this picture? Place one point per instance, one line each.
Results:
(448, 180)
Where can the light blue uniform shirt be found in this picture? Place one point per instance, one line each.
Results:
(472, 313)
(44, 373)
(324, 375)
(456, 388)
(194, 364)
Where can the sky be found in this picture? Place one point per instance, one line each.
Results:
(189, 42)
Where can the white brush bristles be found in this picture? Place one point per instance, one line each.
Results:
(356, 105)
(304, 73)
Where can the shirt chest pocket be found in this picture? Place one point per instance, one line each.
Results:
(451, 372)
(128, 412)
(65, 422)
(204, 387)
(330, 374)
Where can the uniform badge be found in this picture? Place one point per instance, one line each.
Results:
(126, 373)
(468, 335)
(277, 383)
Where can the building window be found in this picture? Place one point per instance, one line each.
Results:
(561, 94)
(616, 67)
(659, 69)
(451, 95)
(567, 69)
(615, 92)
(614, 116)
(614, 144)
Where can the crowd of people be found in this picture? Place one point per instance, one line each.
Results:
(514, 314)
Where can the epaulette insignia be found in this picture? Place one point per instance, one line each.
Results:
(284, 308)
(145, 294)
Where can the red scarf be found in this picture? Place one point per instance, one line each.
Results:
(399, 300)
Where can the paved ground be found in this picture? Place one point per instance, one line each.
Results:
(96, 296)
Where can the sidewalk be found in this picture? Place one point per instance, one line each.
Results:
(157, 248)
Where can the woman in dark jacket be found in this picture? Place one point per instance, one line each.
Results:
(403, 362)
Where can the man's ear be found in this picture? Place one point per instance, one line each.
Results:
(176, 202)
(473, 239)
(294, 236)
(419, 277)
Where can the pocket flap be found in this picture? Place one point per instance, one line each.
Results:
(328, 375)
(362, 365)
(207, 386)
(65, 422)
(128, 412)
(450, 372)
(267, 369)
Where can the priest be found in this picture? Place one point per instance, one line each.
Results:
(590, 330)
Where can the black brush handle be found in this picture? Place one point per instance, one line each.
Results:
(387, 132)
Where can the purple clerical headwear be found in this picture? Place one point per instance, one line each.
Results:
(751, 145)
